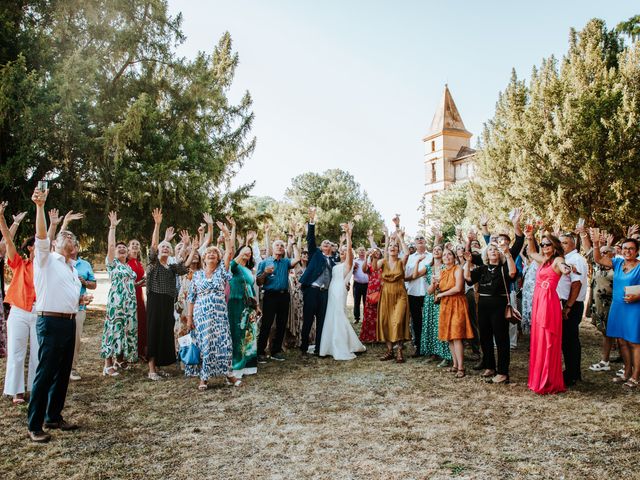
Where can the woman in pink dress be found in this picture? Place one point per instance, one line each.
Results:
(136, 265)
(545, 361)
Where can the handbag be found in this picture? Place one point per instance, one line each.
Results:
(189, 352)
(373, 297)
(510, 312)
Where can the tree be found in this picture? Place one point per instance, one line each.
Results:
(339, 198)
(566, 145)
(95, 99)
(451, 210)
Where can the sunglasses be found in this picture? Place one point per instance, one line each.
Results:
(420, 237)
(546, 244)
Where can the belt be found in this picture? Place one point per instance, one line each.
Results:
(276, 291)
(70, 316)
(489, 295)
(319, 288)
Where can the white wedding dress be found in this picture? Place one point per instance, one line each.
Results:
(338, 337)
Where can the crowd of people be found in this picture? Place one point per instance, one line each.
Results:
(243, 305)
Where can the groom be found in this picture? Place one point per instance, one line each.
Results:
(315, 283)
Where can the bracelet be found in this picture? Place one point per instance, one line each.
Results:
(483, 224)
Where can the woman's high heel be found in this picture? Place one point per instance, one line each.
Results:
(113, 373)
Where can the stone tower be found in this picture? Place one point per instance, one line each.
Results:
(448, 158)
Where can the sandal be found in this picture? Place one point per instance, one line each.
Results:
(110, 372)
(461, 373)
(505, 380)
(601, 366)
(399, 356)
(236, 382)
(387, 356)
(202, 387)
(18, 400)
(488, 373)
(154, 376)
(121, 365)
(452, 369)
(631, 383)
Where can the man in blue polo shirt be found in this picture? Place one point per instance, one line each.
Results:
(88, 281)
(273, 277)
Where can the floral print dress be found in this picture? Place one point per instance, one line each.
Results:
(601, 294)
(120, 332)
(528, 286)
(429, 343)
(211, 331)
(369, 331)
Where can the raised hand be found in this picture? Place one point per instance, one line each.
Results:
(632, 230)
(517, 214)
(267, 227)
(610, 239)
(224, 229)
(594, 233)
(54, 216)
(240, 240)
(484, 220)
(528, 231)
(201, 229)
(207, 218)
(39, 197)
(113, 219)
(471, 236)
(231, 221)
(251, 236)
(396, 220)
(385, 230)
(169, 234)
(195, 244)
(185, 238)
(401, 232)
(312, 214)
(19, 217)
(70, 216)
(157, 216)
(3, 205)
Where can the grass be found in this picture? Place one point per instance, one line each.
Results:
(318, 418)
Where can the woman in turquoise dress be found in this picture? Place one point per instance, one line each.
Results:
(429, 343)
(243, 314)
(120, 331)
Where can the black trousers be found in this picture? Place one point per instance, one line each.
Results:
(473, 317)
(275, 306)
(493, 325)
(56, 340)
(314, 308)
(415, 309)
(359, 296)
(571, 348)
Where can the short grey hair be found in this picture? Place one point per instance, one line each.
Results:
(62, 234)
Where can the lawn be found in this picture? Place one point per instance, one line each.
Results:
(317, 418)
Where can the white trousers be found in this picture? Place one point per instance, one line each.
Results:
(21, 332)
(80, 318)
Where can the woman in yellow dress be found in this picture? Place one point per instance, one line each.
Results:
(393, 309)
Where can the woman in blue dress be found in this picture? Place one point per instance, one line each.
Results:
(624, 316)
(207, 314)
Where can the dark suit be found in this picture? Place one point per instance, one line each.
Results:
(314, 299)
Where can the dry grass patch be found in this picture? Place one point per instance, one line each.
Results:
(317, 418)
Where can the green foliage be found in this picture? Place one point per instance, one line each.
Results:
(338, 198)
(565, 145)
(94, 98)
(451, 210)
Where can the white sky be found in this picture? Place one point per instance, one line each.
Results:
(353, 84)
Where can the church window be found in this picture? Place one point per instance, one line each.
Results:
(433, 145)
(433, 172)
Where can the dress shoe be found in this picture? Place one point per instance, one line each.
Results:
(39, 437)
(62, 425)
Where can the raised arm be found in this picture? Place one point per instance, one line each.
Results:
(511, 264)
(519, 240)
(111, 238)
(39, 198)
(372, 242)
(54, 221)
(484, 226)
(403, 246)
(386, 247)
(348, 261)
(417, 271)
(466, 271)
(70, 217)
(229, 242)
(157, 220)
(311, 232)
(532, 251)
(6, 234)
(595, 239)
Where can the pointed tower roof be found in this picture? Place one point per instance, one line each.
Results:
(447, 118)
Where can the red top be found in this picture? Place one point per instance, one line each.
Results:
(21, 292)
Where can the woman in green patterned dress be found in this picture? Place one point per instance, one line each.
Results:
(429, 343)
(120, 333)
(243, 312)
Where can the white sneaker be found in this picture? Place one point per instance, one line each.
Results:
(620, 373)
(75, 376)
(601, 366)
(154, 376)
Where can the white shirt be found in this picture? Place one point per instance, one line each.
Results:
(564, 285)
(56, 280)
(417, 287)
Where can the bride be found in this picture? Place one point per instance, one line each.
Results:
(338, 338)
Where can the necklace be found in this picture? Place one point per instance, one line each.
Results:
(626, 268)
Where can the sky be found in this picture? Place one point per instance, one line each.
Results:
(354, 84)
